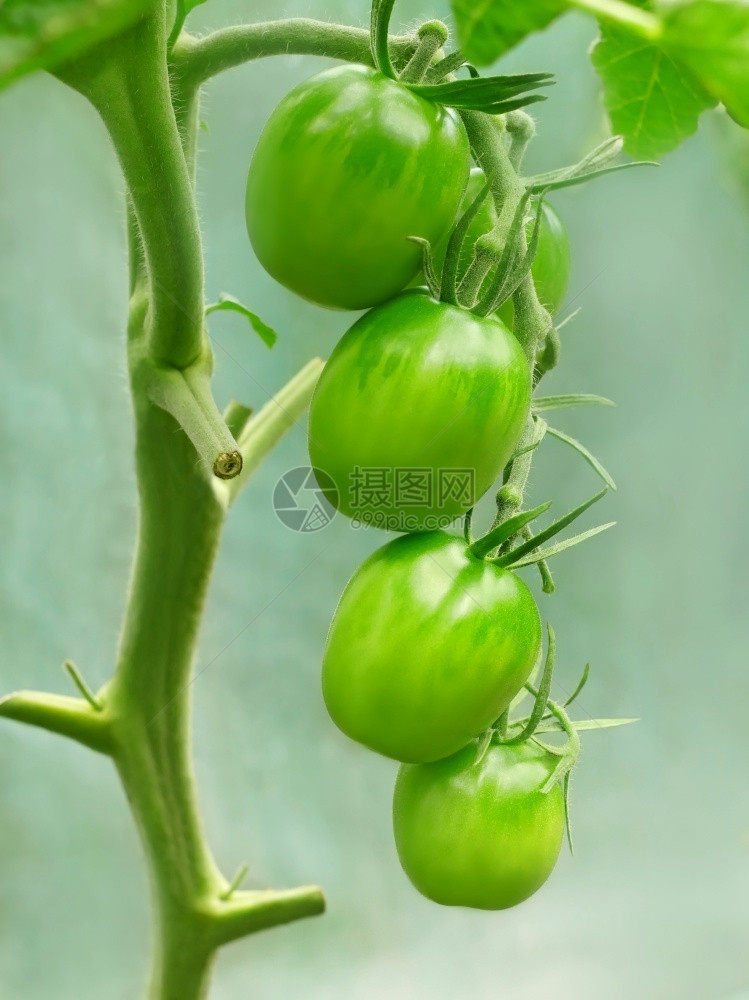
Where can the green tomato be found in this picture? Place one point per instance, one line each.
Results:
(417, 411)
(350, 164)
(551, 265)
(427, 647)
(478, 831)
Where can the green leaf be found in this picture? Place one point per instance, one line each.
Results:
(41, 34)
(228, 302)
(583, 451)
(570, 399)
(568, 543)
(711, 38)
(652, 99)
(487, 28)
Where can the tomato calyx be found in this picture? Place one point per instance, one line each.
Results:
(503, 537)
(547, 716)
(494, 95)
(508, 264)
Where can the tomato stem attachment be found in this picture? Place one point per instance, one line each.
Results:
(525, 548)
(449, 289)
(510, 494)
(379, 38)
(483, 546)
(432, 36)
(186, 395)
(520, 128)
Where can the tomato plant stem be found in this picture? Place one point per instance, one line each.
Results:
(196, 60)
(532, 322)
(128, 83)
(432, 36)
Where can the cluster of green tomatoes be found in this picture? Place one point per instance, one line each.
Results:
(435, 635)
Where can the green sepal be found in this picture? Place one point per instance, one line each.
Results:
(492, 94)
(575, 179)
(593, 164)
(580, 685)
(553, 550)
(513, 558)
(482, 546)
(507, 261)
(584, 453)
(582, 725)
(427, 265)
(541, 403)
(519, 271)
(449, 289)
(542, 694)
(567, 822)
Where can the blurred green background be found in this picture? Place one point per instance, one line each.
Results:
(655, 903)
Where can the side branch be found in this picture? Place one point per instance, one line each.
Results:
(195, 60)
(264, 430)
(186, 395)
(72, 717)
(247, 912)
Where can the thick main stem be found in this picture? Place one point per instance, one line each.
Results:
(128, 83)
(149, 700)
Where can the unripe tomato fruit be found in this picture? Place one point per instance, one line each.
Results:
(551, 265)
(478, 831)
(427, 647)
(422, 391)
(350, 164)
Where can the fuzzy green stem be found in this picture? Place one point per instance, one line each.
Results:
(510, 494)
(196, 60)
(235, 416)
(186, 395)
(71, 717)
(432, 36)
(531, 321)
(128, 83)
(520, 128)
(476, 274)
(263, 432)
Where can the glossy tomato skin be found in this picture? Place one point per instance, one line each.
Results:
(477, 831)
(418, 388)
(427, 647)
(349, 165)
(551, 265)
